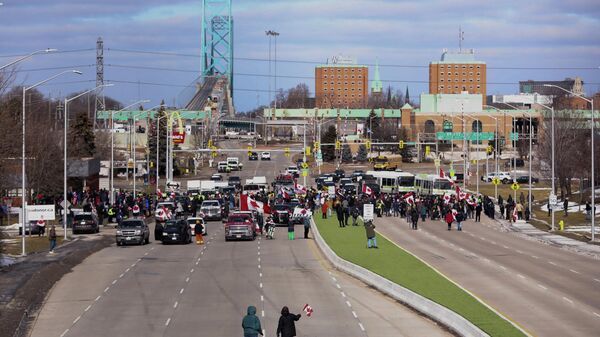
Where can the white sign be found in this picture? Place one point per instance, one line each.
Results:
(40, 212)
(62, 204)
(331, 191)
(553, 199)
(368, 211)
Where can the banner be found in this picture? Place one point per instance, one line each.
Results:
(178, 137)
(40, 212)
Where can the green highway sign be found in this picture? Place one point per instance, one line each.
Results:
(471, 136)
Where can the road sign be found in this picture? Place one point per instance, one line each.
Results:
(305, 172)
(553, 200)
(496, 181)
(368, 211)
(472, 136)
(437, 162)
(427, 150)
(307, 150)
(401, 144)
(287, 151)
(40, 212)
(304, 165)
(452, 173)
(515, 186)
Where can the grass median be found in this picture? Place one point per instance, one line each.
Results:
(399, 266)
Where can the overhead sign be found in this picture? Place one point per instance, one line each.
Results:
(40, 212)
(368, 211)
(178, 137)
(471, 136)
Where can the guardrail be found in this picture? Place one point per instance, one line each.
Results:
(438, 313)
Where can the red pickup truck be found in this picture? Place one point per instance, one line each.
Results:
(240, 226)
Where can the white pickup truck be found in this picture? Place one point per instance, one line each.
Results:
(234, 164)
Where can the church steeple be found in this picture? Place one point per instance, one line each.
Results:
(376, 85)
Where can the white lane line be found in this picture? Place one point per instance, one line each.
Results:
(88, 308)
(503, 267)
(97, 298)
(505, 247)
(552, 263)
(486, 260)
(596, 314)
(259, 259)
(482, 238)
(146, 254)
(361, 326)
(187, 280)
(259, 274)
(535, 257)
(192, 271)
(197, 262)
(77, 319)
(541, 286)
(334, 279)
(263, 313)
(262, 298)
(114, 281)
(493, 242)
(597, 280)
(168, 321)
(338, 286)
(106, 289)
(354, 314)
(64, 333)
(568, 300)
(133, 265)
(152, 248)
(521, 276)
(574, 271)
(259, 253)
(138, 260)
(348, 304)
(175, 304)
(259, 266)
(127, 270)
(181, 291)
(260, 285)
(343, 294)
(121, 276)
(519, 251)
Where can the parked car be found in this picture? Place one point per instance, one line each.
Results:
(85, 222)
(504, 177)
(132, 231)
(234, 181)
(176, 231)
(192, 221)
(240, 226)
(253, 156)
(525, 179)
(293, 170)
(265, 156)
(211, 209)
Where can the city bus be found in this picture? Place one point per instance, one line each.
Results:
(432, 184)
(394, 181)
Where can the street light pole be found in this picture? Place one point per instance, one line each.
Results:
(48, 50)
(495, 149)
(23, 199)
(552, 140)
(65, 144)
(591, 101)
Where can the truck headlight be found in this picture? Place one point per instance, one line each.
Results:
(119, 232)
(138, 232)
(165, 234)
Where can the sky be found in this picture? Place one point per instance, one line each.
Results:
(519, 40)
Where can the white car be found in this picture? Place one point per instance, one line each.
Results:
(265, 156)
(293, 170)
(504, 177)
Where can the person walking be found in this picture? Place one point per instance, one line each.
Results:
(291, 230)
(478, 210)
(449, 219)
(324, 208)
(52, 238)
(371, 238)
(339, 211)
(345, 206)
(306, 221)
(286, 326)
(460, 217)
(566, 206)
(355, 214)
(414, 217)
(198, 232)
(251, 323)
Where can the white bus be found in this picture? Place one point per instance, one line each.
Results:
(393, 181)
(432, 184)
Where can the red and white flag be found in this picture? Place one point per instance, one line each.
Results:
(258, 206)
(460, 195)
(367, 190)
(515, 214)
(442, 175)
(409, 197)
(159, 193)
(446, 198)
(470, 200)
(299, 189)
(308, 310)
(284, 193)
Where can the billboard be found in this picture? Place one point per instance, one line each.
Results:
(40, 212)
(178, 137)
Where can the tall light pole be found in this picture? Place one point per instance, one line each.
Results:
(112, 148)
(552, 140)
(271, 33)
(23, 58)
(495, 149)
(591, 101)
(66, 126)
(24, 200)
(134, 117)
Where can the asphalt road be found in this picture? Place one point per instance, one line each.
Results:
(547, 290)
(190, 290)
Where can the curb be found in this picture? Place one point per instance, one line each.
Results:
(438, 313)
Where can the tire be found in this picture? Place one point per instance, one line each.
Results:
(505, 181)
(118, 244)
(147, 240)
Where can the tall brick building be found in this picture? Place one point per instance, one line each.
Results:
(456, 73)
(341, 85)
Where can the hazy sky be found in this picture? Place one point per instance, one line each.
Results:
(513, 37)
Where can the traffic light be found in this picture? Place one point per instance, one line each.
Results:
(427, 150)
(308, 150)
(338, 145)
(401, 144)
(489, 149)
(286, 152)
(368, 144)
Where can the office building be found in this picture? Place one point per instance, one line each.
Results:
(456, 73)
(341, 83)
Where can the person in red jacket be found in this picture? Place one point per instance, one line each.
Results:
(449, 219)
(324, 208)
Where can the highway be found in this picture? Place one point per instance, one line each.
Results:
(547, 290)
(190, 290)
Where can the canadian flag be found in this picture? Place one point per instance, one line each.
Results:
(515, 215)
(299, 189)
(470, 200)
(258, 206)
(367, 190)
(159, 193)
(460, 195)
(409, 197)
(308, 310)
(454, 213)
(446, 198)
(284, 193)
(136, 208)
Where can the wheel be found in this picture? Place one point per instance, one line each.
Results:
(505, 181)
(147, 241)
(118, 243)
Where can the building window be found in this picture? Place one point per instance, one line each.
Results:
(346, 76)
(464, 80)
(441, 80)
(325, 70)
(352, 76)
(471, 66)
(478, 67)
(332, 82)
(442, 73)
(456, 87)
(449, 74)
(471, 80)
(471, 87)
(359, 76)
(441, 87)
(339, 83)
(478, 73)
(456, 80)
(324, 83)
(352, 69)
(464, 67)
(359, 82)
(478, 86)
(352, 95)
(456, 67)
(470, 73)
(359, 95)
(345, 89)
(464, 74)
(325, 76)
(352, 83)
(478, 79)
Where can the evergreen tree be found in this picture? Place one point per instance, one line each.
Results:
(152, 133)
(346, 154)
(362, 154)
(82, 138)
(372, 125)
(329, 137)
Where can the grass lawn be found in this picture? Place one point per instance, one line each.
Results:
(404, 269)
(32, 245)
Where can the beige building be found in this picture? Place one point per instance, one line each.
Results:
(341, 86)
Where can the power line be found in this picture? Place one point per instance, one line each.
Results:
(319, 62)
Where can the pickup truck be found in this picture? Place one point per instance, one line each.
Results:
(240, 226)
(381, 163)
(211, 209)
(222, 167)
(133, 231)
(234, 164)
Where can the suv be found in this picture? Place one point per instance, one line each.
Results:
(211, 209)
(85, 222)
(253, 156)
(133, 231)
(176, 231)
(222, 167)
(293, 170)
(504, 177)
(234, 181)
(240, 226)
(265, 156)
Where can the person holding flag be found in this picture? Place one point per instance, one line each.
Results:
(286, 326)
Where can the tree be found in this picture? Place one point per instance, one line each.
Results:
(152, 138)
(372, 125)
(362, 154)
(81, 137)
(329, 137)
(294, 98)
(346, 154)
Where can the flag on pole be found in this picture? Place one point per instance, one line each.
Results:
(442, 175)
(515, 215)
(367, 190)
(299, 189)
(308, 310)
(284, 193)
(446, 198)
(409, 197)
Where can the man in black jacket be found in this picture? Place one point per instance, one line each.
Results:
(286, 326)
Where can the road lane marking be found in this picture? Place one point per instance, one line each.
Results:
(552, 263)
(187, 280)
(262, 298)
(259, 274)
(535, 257)
(334, 279)
(258, 253)
(541, 286)
(263, 313)
(97, 298)
(77, 319)
(146, 254)
(348, 304)
(361, 326)
(114, 281)
(503, 267)
(596, 314)
(127, 270)
(175, 304)
(260, 285)
(121, 276)
(338, 286)
(568, 300)
(597, 280)
(259, 259)
(519, 251)
(197, 262)
(259, 266)
(64, 333)
(574, 271)
(354, 314)
(106, 289)
(133, 264)
(88, 308)
(192, 271)
(505, 247)
(181, 291)
(168, 321)
(521, 276)
(343, 294)
(493, 242)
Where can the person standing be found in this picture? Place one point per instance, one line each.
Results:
(414, 217)
(355, 215)
(460, 217)
(286, 326)
(291, 230)
(324, 207)
(306, 221)
(198, 232)
(345, 206)
(52, 238)
(251, 323)
(449, 219)
(478, 212)
(566, 206)
(339, 210)
(371, 238)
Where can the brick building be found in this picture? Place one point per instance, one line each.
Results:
(341, 86)
(456, 73)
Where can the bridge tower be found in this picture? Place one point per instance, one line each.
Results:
(217, 39)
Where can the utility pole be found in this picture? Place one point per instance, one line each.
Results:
(100, 101)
